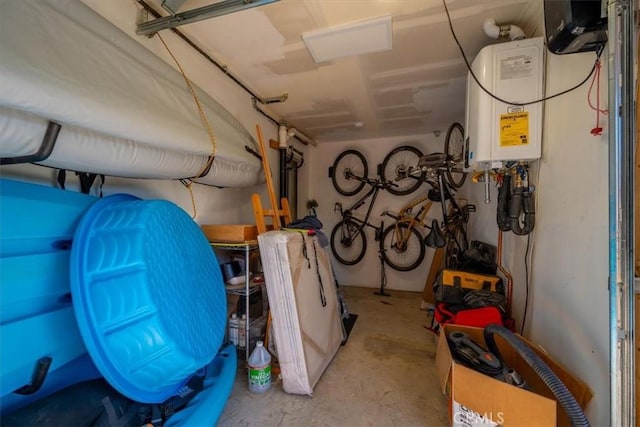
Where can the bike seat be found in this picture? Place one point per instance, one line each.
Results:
(435, 195)
(433, 160)
(435, 238)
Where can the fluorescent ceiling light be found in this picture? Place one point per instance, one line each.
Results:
(373, 35)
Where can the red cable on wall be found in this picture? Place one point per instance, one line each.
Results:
(596, 131)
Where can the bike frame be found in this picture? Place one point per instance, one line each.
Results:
(450, 221)
(373, 193)
(404, 217)
(452, 214)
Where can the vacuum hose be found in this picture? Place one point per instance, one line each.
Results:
(560, 391)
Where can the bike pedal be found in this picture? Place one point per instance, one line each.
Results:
(471, 208)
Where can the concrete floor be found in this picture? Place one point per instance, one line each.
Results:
(383, 376)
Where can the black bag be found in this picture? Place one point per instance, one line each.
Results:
(479, 258)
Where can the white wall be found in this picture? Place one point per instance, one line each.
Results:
(568, 301)
(367, 272)
(569, 305)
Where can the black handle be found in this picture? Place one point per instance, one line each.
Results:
(37, 378)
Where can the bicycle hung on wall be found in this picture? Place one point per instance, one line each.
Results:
(456, 215)
(455, 148)
(403, 171)
(400, 166)
(402, 242)
(451, 233)
(348, 238)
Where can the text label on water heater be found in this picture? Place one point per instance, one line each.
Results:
(514, 129)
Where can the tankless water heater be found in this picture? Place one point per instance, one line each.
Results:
(502, 131)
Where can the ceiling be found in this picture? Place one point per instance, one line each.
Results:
(416, 87)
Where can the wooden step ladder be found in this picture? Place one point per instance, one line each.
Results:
(276, 214)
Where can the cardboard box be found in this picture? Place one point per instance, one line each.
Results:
(475, 398)
(232, 233)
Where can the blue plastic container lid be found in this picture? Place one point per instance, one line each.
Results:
(148, 295)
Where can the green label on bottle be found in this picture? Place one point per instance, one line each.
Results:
(260, 376)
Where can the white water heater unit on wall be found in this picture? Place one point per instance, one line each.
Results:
(499, 131)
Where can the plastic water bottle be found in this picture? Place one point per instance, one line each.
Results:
(233, 329)
(259, 369)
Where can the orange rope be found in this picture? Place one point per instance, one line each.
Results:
(188, 184)
(205, 123)
(203, 116)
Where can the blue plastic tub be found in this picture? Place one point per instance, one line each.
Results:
(170, 272)
(37, 225)
(148, 295)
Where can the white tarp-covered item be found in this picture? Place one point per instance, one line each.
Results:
(304, 306)
(123, 111)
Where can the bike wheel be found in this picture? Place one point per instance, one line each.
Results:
(402, 250)
(348, 242)
(396, 168)
(348, 163)
(457, 244)
(454, 149)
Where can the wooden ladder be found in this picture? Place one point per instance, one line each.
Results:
(276, 214)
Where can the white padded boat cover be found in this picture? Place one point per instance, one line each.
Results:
(123, 110)
(307, 332)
